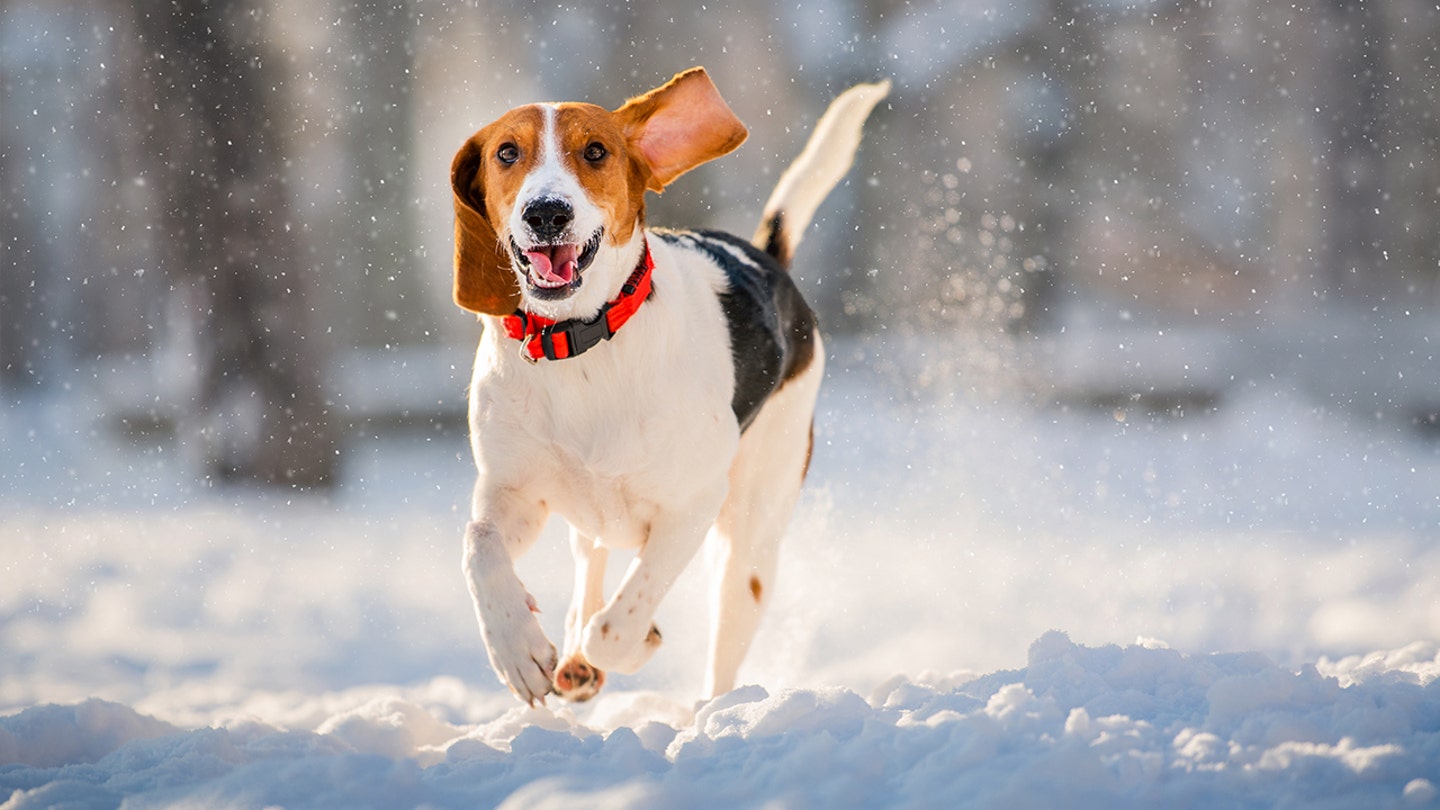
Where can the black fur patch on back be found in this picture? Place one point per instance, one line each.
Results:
(770, 323)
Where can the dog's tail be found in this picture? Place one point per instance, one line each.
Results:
(826, 157)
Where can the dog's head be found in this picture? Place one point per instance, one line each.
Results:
(550, 198)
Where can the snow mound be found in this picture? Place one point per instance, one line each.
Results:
(1102, 727)
(46, 736)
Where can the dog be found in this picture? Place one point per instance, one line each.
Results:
(652, 386)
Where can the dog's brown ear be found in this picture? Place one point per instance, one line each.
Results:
(484, 282)
(677, 127)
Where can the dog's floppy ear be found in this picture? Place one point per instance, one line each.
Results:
(484, 282)
(677, 127)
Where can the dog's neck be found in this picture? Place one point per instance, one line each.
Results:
(543, 338)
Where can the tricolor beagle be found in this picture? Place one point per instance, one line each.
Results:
(651, 386)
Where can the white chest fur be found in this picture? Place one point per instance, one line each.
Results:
(638, 424)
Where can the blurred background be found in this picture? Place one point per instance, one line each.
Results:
(228, 223)
(1130, 306)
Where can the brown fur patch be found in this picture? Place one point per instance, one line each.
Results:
(484, 189)
(499, 183)
(802, 342)
(756, 589)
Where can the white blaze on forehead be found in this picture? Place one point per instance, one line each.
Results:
(549, 135)
(550, 177)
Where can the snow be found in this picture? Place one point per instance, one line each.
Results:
(987, 599)
(1108, 726)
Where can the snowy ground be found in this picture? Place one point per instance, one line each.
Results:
(1247, 602)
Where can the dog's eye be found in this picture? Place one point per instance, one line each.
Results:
(595, 153)
(508, 153)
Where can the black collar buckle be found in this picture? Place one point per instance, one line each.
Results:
(580, 336)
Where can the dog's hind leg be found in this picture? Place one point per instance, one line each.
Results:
(576, 679)
(765, 481)
(621, 636)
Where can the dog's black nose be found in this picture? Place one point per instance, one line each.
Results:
(548, 217)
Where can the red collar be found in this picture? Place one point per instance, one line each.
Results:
(556, 340)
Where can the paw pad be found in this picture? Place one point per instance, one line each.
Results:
(577, 681)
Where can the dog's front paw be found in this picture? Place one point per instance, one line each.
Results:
(618, 646)
(522, 656)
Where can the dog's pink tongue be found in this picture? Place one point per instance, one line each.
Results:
(553, 265)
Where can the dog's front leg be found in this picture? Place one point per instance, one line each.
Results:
(622, 636)
(504, 528)
(576, 680)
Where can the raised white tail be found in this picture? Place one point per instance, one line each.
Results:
(826, 158)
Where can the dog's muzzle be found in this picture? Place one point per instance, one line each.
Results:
(553, 268)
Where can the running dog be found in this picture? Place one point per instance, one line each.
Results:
(652, 386)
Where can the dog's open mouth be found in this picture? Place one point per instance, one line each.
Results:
(554, 270)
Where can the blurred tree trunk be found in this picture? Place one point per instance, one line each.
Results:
(21, 255)
(1064, 52)
(378, 251)
(229, 246)
(1412, 142)
(1351, 123)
